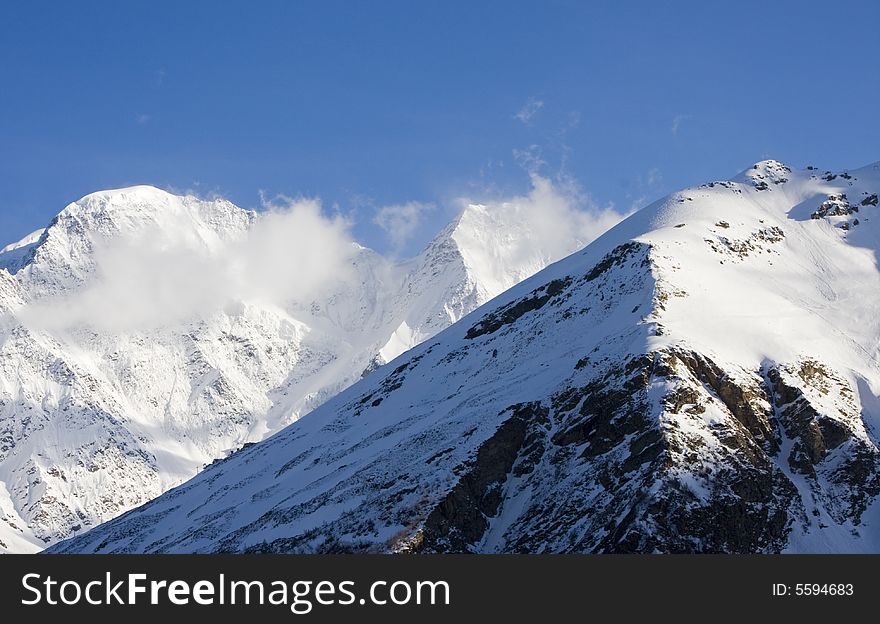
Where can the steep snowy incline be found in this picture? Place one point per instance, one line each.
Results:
(702, 378)
(98, 417)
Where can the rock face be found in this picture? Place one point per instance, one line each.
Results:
(702, 378)
(95, 421)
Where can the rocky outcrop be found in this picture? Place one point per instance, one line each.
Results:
(830, 447)
(669, 488)
(835, 206)
(745, 398)
(636, 480)
(459, 522)
(664, 485)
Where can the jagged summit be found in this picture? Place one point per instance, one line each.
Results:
(702, 378)
(500, 245)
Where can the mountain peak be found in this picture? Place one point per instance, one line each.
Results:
(770, 164)
(765, 174)
(63, 255)
(502, 244)
(143, 202)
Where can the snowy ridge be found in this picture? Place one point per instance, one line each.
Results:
(702, 378)
(96, 421)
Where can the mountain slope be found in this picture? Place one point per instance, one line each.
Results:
(702, 378)
(99, 417)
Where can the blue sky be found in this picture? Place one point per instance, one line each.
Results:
(368, 104)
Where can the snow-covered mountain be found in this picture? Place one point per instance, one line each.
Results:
(704, 377)
(96, 419)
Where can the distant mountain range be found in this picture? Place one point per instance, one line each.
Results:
(95, 421)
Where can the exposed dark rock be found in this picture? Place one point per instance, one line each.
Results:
(799, 420)
(600, 422)
(460, 519)
(747, 402)
(616, 257)
(741, 248)
(826, 446)
(748, 508)
(536, 300)
(835, 206)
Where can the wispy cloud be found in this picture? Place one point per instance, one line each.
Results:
(159, 77)
(643, 188)
(152, 277)
(142, 118)
(194, 190)
(401, 221)
(529, 110)
(676, 123)
(554, 219)
(530, 158)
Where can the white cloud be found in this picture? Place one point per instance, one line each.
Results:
(554, 219)
(654, 176)
(638, 203)
(142, 118)
(157, 278)
(676, 123)
(531, 159)
(529, 110)
(400, 221)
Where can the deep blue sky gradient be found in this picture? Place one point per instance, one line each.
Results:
(371, 103)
